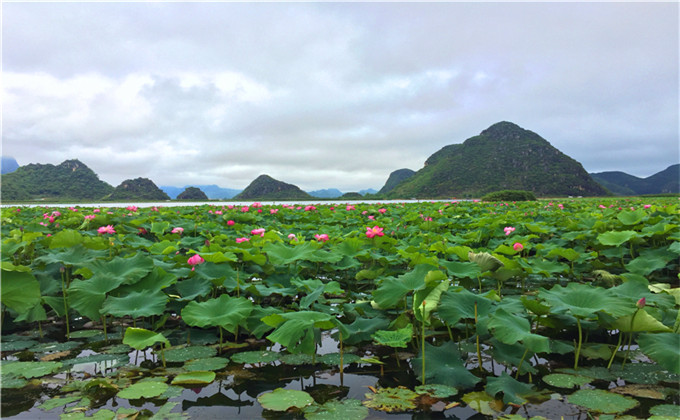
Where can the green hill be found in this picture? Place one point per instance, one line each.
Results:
(137, 189)
(395, 178)
(70, 180)
(265, 187)
(621, 183)
(502, 157)
(192, 193)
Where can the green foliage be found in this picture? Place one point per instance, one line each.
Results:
(510, 195)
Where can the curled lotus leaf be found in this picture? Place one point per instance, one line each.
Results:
(485, 261)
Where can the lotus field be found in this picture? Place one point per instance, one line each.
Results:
(456, 309)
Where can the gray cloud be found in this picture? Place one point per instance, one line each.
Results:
(332, 94)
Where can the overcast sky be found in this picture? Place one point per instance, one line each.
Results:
(332, 95)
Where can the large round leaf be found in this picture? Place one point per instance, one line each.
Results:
(194, 378)
(601, 401)
(282, 399)
(19, 290)
(139, 338)
(584, 301)
(226, 312)
(87, 296)
(130, 270)
(663, 348)
(136, 304)
(148, 389)
(616, 238)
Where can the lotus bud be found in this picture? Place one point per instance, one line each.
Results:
(641, 303)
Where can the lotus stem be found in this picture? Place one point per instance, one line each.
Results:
(580, 341)
(106, 336)
(220, 349)
(342, 363)
(423, 343)
(519, 367)
(479, 351)
(63, 292)
(163, 354)
(616, 349)
(630, 338)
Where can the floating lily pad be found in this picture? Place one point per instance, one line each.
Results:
(252, 357)
(483, 403)
(29, 370)
(654, 392)
(668, 410)
(148, 389)
(562, 380)
(436, 390)
(55, 347)
(188, 353)
(349, 409)
(282, 399)
(297, 359)
(209, 363)
(117, 349)
(58, 402)
(601, 401)
(398, 338)
(17, 345)
(391, 399)
(333, 359)
(84, 333)
(11, 382)
(194, 378)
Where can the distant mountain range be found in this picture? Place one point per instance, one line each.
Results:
(502, 157)
(621, 183)
(212, 191)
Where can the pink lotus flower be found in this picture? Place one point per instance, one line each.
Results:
(96, 211)
(508, 230)
(179, 230)
(349, 208)
(154, 208)
(218, 211)
(291, 236)
(245, 209)
(602, 206)
(131, 208)
(106, 229)
(641, 303)
(273, 211)
(374, 231)
(239, 240)
(517, 246)
(56, 213)
(89, 216)
(371, 217)
(321, 237)
(383, 211)
(195, 260)
(256, 204)
(259, 231)
(646, 206)
(230, 223)
(310, 208)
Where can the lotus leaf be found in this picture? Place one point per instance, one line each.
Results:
(645, 265)
(391, 399)
(182, 354)
(84, 333)
(616, 238)
(192, 288)
(136, 304)
(149, 389)
(485, 261)
(295, 330)
(226, 312)
(654, 392)
(392, 290)
(669, 410)
(483, 403)
(509, 329)
(348, 409)
(19, 290)
(17, 345)
(333, 359)
(280, 254)
(583, 301)
(459, 303)
(252, 357)
(282, 399)
(436, 390)
(443, 365)
(297, 359)
(562, 380)
(362, 329)
(463, 269)
(10, 382)
(209, 363)
(53, 403)
(629, 218)
(194, 378)
(398, 338)
(601, 401)
(130, 270)
(663, 348)
(29, 370)
(513, 390)
(642, 322)
(139, 338)
(73, 256)
(66, 238)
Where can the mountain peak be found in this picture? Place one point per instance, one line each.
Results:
(265, 187)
